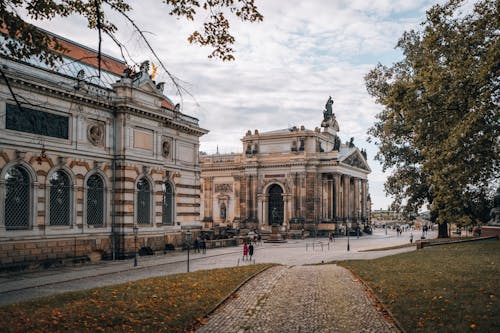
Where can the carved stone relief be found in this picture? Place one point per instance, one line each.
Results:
(166, 148)
(223, 188)
(95, 133)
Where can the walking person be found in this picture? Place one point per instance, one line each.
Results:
(330, 237)
(197, 245)
(203, 245)
(245, 251)
(250, 250)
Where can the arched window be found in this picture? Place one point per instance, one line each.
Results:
(17, 199)
(95, 200)
(275, 213)
(60, 199)
(143, 202)
(168, 204)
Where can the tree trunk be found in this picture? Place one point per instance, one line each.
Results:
(443, 230)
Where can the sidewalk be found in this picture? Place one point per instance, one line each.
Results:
(17, 287)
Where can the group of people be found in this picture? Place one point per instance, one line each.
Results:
(247, 250)
(200, 244)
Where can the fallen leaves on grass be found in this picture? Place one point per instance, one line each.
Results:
(171, 303)
(437, 289)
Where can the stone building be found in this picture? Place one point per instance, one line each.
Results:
(308, 178)
(86, 157)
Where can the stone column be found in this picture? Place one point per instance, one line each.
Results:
(260, 209)
(363, 198)
(237, 189)
(208, 197)
(254, 196)
(265, 211)
(336, 191)
(287, 210)
(248, 197)
(356, 198)
(346, 188)
(324, 199)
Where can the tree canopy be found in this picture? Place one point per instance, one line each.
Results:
(23, 40)
(439, 129)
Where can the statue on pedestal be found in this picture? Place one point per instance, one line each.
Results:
(329, 117)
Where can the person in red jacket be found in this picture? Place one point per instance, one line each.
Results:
(245, 251)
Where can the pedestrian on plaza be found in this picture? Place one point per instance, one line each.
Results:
(245, 250)
(250, 250)
(330, 237)
(411, 238)
(259, 239)
(197, 245)
(203, 245)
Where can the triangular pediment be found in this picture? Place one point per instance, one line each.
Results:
(356, 160)
(148, 85)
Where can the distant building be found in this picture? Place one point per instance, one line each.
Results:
(86, 156)
(385, 216)
(294, 177)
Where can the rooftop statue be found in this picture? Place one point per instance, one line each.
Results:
(328, 113)
(328, 116)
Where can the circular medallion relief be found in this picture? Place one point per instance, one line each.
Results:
(95, 134)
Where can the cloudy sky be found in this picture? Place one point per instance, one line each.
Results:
(285, 67)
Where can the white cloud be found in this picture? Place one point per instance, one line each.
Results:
(285, 68)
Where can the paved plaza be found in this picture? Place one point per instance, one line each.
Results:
(325, 284)
(322, 298)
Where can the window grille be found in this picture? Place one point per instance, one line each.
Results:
(17, 199)
(168, 204)
(95, 200)
(60, 194)
(143, 202)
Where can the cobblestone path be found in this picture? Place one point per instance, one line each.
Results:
(324, 298)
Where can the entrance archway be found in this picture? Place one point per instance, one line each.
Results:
(275, 204)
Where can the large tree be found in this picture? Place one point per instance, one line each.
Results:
(439, 129)
(23, 40)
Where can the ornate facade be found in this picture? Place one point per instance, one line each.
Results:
(86, 157)
(306, 177)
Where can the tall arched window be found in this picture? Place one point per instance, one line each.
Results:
(143, 202)
(275, 212)
(17, 199)
(168, 204)
(95, 200)
(60, 199)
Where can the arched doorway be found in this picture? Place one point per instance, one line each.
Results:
(275, 204)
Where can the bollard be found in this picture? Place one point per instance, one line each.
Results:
(238, 263)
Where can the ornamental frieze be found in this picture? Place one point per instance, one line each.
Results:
(223, 188)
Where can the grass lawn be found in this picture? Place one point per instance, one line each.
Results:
(448, 288)
(171, 303)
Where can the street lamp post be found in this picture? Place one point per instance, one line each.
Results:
(357, 226)
(348, 227)
(188, 241)
(136, 231)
